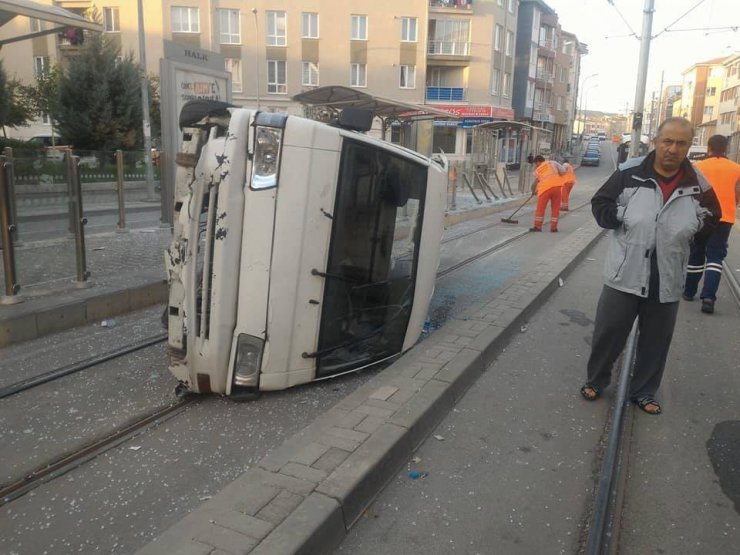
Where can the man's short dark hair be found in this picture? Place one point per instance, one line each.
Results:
(717, 144)
(539, 158)
(682, 121)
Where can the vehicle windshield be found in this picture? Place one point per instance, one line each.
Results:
(371, 270)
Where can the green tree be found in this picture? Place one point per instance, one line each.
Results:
(4, 96)
(99, 99)
(16, 105)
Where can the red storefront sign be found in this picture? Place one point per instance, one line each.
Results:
(475, 111)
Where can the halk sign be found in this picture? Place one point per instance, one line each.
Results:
(476, 111)
(186, 73)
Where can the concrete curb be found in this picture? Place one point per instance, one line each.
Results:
(304, 495)
(76, 312)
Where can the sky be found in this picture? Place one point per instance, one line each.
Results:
(614, 56)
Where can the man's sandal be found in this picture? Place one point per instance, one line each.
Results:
(645, 402)
(591, 395)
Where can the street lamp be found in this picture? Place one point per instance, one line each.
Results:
(257, 55)
(580, 103)
(585, 104)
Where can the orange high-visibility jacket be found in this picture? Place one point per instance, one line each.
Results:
(548, 174)
(723, 175)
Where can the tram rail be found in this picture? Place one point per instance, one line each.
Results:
(603, 529)
(69, 461)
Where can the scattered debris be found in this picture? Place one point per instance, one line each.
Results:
(416, 474)
(98, 248)
(439, 438)
(523, 328)
(590, 259)
(108, 323)
(135, 447)
(416, 460)
(561, 282)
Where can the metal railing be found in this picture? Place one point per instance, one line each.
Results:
(448, 48)
(452, 94)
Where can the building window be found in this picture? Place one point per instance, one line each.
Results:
(276, 77)
(276, 29)
(185, 20)
(563, 74)
(111, 20)
(310, 74)
(708, 110)
(408, 77)
(447, 36)
(359, 27)
(711, 91)
(496, 81)
(507, 84)
(500, 3)
(358, 75)
(40, 66)
(498, 38)
(560, 102)
(511, 6)
(228, 25)
(408, 29)
(234, 66)
(36, 25)
(309, 25)
(509, 43)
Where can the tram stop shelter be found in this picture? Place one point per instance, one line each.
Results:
(60, 19)
(501, 143)
(325, 103)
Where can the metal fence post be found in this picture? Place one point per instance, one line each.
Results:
(79, 222)
(9, 167)
(69, 170)
(6, 229)
(121, 203)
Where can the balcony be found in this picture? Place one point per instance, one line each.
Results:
(449, 5)
(544, 78)
(447, 48)
(544, 116)
(546, 48)
(445, 94)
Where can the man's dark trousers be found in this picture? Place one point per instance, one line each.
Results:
(615, 315)
(712, 250)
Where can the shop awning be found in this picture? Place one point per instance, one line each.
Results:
(336, 97)
(59, 17)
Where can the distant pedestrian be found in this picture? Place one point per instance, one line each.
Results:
(569, 180)
(708, 251)
(547, 184)
(654, 205)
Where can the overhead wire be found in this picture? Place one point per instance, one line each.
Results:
(632, 31)
(699, 3)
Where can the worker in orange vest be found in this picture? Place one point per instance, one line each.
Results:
(569, 179)
(548, 181)
(708, 251)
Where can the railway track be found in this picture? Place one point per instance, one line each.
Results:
(603, 529)
(66, 462)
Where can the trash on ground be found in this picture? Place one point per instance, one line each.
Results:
(135, 447)
(108, 323)
(98, 248)
(590, 259)
(561, 282)
(416, 474)
(523, 328)
(416, 460)
(439, 438)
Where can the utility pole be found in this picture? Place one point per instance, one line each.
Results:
(257, 55)
(145, 109)
(647, 28)
(660, 100)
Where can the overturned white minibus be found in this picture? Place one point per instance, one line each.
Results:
(301, 250)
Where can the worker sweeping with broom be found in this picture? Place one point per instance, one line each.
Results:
(548, 181)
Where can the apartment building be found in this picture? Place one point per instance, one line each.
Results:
(700, 91)
(728, 111)
(547, 71)
(457, 55)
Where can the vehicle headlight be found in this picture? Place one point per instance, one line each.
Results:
(248, 360)
(266, 157)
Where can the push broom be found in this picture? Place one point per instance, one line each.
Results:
(510, 219)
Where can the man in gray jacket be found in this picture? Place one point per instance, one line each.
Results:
(654, 205)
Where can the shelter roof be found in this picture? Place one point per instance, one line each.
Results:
(337, 97)
(53, 14)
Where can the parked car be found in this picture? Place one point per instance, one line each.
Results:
(591, 158)
(697, 152)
